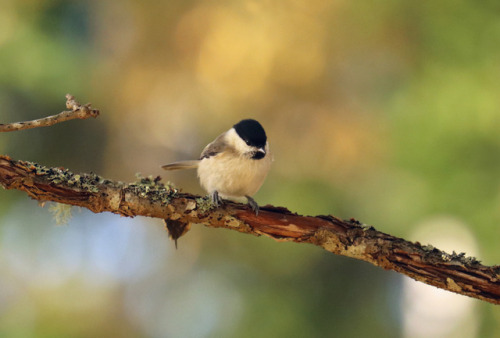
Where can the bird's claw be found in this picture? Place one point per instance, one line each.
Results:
(217, 202)
(253, 205)
(216, 199)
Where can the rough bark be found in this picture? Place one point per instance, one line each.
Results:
(149, 197)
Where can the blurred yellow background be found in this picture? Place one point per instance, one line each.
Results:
(388, 112)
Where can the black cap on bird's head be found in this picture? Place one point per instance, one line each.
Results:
(251, 132)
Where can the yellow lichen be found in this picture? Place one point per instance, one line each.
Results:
(232, 222)
(61, 213)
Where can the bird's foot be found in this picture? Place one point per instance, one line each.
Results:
(253, 205)
(216, 199)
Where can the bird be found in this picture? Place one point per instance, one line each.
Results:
(234, 165)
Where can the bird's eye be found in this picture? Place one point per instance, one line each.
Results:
(247, 142)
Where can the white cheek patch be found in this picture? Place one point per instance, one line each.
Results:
(234, 141)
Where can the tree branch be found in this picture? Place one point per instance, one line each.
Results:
(77, 112)
(149, 197)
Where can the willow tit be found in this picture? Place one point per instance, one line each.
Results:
(234, 165)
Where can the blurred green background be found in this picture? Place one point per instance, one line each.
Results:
(388, 112)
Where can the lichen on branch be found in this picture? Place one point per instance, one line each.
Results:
(149, 197)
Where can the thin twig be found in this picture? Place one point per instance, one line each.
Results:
(77, 111)
(149, 197)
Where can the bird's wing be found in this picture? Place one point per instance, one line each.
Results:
(214, 148)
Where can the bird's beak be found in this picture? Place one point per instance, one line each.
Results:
(259, 153)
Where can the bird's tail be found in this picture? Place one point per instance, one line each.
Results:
(181, 165)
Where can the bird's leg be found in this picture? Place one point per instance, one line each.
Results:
(253, 205)
(216, 200)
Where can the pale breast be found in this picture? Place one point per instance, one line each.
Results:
(232, 176)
